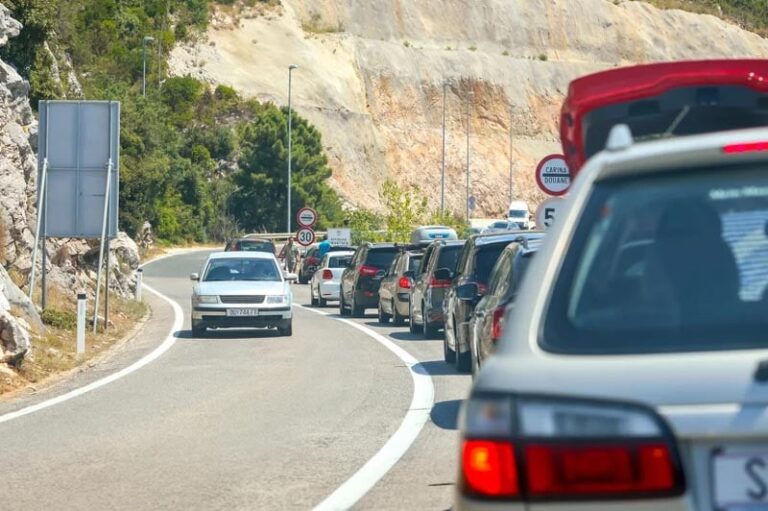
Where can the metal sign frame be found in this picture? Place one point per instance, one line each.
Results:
(78, 156)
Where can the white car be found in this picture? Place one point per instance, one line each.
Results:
(634, 374)
(242, 289)
(325, 285)
(503, 226)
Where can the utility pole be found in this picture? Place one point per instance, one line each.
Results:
(470, 94)
(147, 39)
(511, 158)
(442, 172)
(290, 154)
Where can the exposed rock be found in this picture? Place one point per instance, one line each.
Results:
(14, 339)
(374, 89)
(12, 296)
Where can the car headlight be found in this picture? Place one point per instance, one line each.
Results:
(277, 300)
(205, 299)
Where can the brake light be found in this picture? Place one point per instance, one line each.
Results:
(368, 271)
(404, 283)
(564, 449)
(598, 469)
(327, 275)
(313, 261)
(439, 284)
(489, 468)
(498, 323)
(750, 147)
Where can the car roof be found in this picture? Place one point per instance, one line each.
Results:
(242, 255)
(254, 238)
(694, 151)
(632, 83)
(382, 245)
(505, 237)
(340, 253)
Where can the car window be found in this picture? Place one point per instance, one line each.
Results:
(256, 246)
(485, 259)
(672, 263)
(381, 257)
(464, 258)
(499, 274)
(231, 269)
(338, 261)
(517, 213)
(427, 256)
(519, 268)
(414, 263)
(448, 257)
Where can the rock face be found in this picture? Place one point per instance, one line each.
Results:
(14, 330)
(371, 73)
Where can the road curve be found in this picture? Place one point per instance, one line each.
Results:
(235, 421)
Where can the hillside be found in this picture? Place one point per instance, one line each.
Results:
(371, 72)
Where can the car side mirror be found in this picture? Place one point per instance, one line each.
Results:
(443, 274)
(194, 277)
(291, 277)
(467, 292)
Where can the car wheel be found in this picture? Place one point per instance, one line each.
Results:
(313, 300)
(383, 317)
(322, 302)
(463, 360)
(448, 354)
(342, 306)
(357, 312)
(412, 326)
(428, 330)
(287, 330)
(198, 330)
(397, 319)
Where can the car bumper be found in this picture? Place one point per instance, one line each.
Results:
(403, 304)
(367, 299)
(217, 317)
(462, 503)
(329, 290)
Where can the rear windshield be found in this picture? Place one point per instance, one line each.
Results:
(485, 260)
(667, 264)
(414, 263)
(256, 246)
(339, 261)
(449, 258)
(381, 257)
(225, 269)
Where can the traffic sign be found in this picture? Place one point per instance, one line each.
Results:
(553, 175)
(472, 202)
(305, 236)
(307, 217)
(340, 236)
(548, 211)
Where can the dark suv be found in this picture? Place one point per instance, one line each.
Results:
(360, 281)
(487, 320)
(428, 291)
(477, 260)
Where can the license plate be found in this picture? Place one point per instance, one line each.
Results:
(741, 479)
(239, 313)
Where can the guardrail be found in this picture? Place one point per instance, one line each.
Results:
(278, 236)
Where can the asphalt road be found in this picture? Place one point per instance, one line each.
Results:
(237, 420)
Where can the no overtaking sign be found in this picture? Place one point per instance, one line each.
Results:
(553, 175)
(307, 217)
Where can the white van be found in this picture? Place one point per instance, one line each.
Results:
(519, 213)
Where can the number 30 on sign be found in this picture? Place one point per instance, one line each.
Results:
(305, 236)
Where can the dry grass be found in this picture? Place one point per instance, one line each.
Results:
(53, 352)
(749, 14)
(316, 25)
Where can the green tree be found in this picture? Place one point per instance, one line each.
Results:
(406, 210)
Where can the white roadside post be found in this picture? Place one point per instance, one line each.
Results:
(81, 297)
(139, 280)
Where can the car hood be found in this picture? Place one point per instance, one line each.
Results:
(242, 288)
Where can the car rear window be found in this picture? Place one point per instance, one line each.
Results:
(381, 257)
(667, 263)
(256, 246)
(414, 263)
(449, 257)
(339, 261)
(485, 260)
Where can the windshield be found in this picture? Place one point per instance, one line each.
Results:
(674, 263)
(256, 246)
(242, 269)
(339, 261)
(518, 213)
(381, 258)
(485, 260)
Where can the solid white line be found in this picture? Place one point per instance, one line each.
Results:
(398, 444)
(170, 340)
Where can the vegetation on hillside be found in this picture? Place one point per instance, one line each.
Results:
(751, 14)
(197, 163)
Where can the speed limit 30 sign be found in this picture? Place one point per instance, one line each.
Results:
(305, 236)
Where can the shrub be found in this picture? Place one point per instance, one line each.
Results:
(64, 320)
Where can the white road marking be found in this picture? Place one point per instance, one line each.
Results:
(169, 341)
(362, 481)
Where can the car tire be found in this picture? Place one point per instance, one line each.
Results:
(428, 330)
(198, 330)
(322, 302)
(286, 331)
(448, 354)
(343, 306)
(312, 300)
(397, 319)
(463, 361)
(383, 317)
(412, 326)
(356, 311)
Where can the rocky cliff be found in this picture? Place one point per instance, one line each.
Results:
(371, 75)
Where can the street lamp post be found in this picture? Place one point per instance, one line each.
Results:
(442, 171)
(290, 153)
(470, 94)
(511, 159)
(145, 41)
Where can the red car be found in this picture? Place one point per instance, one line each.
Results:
(662, 100)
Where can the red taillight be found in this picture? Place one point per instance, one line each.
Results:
(327, 275)
(368, 271)
(313, 261)
(439, 284)
(498, 323)
(751, 147)
(598, 470)
(489, 468)
(404, 283)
